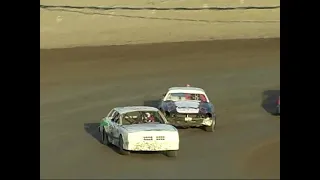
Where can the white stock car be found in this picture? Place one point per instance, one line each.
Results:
(139, 128)
(188, 107)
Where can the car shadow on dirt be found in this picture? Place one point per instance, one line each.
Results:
(269, 99)
(92, 129)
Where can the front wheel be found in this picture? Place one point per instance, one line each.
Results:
(121, 150)
(212, 127)
(105, 138)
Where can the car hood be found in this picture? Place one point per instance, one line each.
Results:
(148, 127)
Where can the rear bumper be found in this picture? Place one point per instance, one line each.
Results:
(152, 146)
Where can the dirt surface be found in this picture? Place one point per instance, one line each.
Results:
(84, 22)
(162, 3)
(80, 85)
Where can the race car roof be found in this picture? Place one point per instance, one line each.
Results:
(127, 109)
(186, 89)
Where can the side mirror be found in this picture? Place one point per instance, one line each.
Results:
(163, 95)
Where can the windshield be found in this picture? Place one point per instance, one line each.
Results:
(186, 97)
(141, 117)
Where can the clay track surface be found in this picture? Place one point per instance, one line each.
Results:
(80, 85)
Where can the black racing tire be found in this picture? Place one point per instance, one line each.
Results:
(211, 128)
(104, 138)
(171, 153)
(278, 111)
(121, 150)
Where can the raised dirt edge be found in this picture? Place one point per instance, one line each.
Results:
(68, 27)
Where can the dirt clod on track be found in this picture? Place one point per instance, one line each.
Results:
(80, 85)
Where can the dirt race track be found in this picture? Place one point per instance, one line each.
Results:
(80, 85)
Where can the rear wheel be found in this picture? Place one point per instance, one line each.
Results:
(172, 153)
(278, 110)
(212, 127)
(121, 150)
